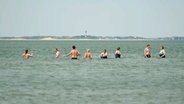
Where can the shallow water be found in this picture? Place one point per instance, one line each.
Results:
(129, 80)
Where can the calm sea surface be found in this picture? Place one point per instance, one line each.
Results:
(129, 80)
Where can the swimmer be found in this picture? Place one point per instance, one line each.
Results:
(118, 53)
(147, 51)
(104, 54)
(26, 55)
(88, 55)
(74, 53)
(57, 53)
(162, 52)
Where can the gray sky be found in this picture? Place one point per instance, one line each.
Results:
(146, 18)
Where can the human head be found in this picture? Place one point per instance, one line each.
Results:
(105, 50)
(118, 48)
(88, 50)
(148, 45)
(56, 49)
(162, 47)
(26, 51)
(73, 47)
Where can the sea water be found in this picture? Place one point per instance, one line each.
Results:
(132, 79)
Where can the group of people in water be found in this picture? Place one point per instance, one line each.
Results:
(74, 53)
(147, 52)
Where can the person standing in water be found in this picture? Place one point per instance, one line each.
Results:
(118, 53)
(88, 55)
(74, 53)
(147, 51)
(26, 55)
(57, 53)
(104, 54)
(162, 52)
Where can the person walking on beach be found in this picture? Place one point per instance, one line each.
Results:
(57, 53)
(147, 51)
(118, 53)
(162, 52)
(74, 53)
(26, 55)
(88, 55)
(104, 54)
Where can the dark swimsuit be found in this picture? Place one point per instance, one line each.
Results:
(162, 56)
(148, 56)
(74, 58)
(117, 56)
(104, 57)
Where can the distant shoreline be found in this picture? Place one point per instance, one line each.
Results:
(88, 40)
(88, 37)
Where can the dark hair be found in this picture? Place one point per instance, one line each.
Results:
(26, 51)
(73, 47)
(162, 47)
(148, 45)
(105, 50)
(118, 48)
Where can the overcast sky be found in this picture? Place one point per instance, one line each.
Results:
(146, 18)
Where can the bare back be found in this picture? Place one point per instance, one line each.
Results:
(88, 56)
(74, 53)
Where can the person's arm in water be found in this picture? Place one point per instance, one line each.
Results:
(145, 52)
(23, 54)
(85, 55)
(69, 53)
(30, 55)
(78, 53)
(57, 54)
(106, 54)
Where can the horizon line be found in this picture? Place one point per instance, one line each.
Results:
(89, 35)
